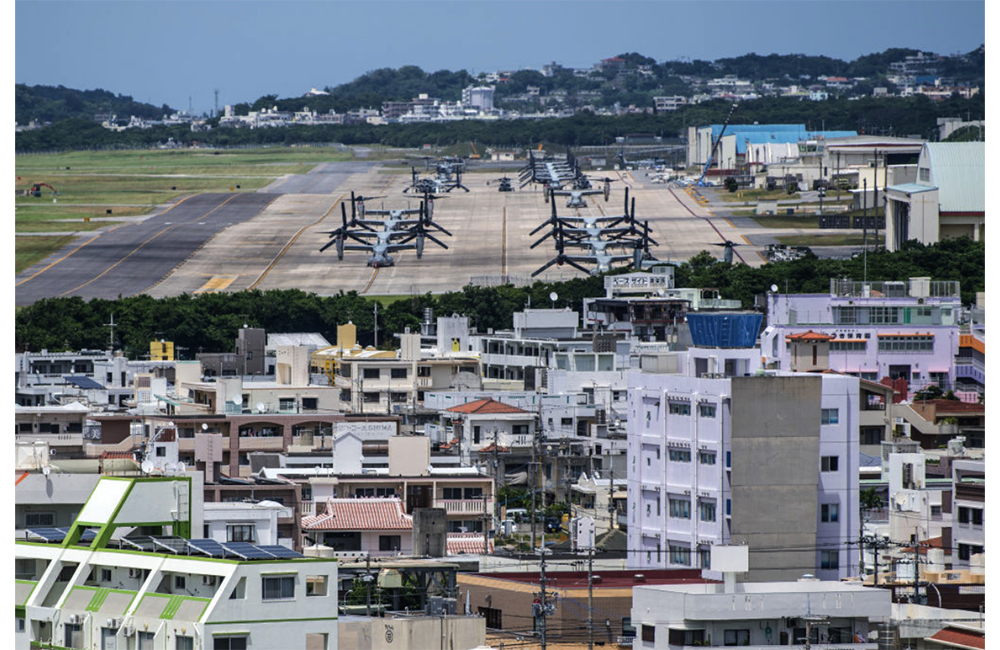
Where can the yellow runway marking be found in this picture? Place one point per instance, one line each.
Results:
(39, 272)
(216, 284)
(292, 241)
(745, 239)
(136, 249)
(762, 256)
(730, 223)
(370, 282)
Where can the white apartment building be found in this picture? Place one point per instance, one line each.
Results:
(718, 456)
(87, 588)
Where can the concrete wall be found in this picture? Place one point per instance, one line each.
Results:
(775, 472)
(448, 632)
(409, 456)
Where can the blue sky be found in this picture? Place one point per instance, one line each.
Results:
(168, 51)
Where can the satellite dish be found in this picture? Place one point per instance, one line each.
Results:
(46, 470)
(261, 407)
(553, 296)
(204, 426)
(181, 467)
(146, 467)
(774, 288)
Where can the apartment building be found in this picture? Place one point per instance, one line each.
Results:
(905, 329)
(84, 587)
(968, 526)
(766, 458)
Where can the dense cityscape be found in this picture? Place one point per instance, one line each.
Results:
(652, 355)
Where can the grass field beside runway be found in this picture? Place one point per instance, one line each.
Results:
(132, 183)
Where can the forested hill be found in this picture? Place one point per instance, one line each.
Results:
(56, 103)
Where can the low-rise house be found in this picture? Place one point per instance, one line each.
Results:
(375, 526)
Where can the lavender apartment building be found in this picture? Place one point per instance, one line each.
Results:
(906, 330)
(721, 451)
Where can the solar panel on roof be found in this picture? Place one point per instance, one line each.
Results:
(247, 551)
(58, 534)
(47, 534)
(280, 551)
(143, 543)
(208, 547)
(171, 544)
(80, 381)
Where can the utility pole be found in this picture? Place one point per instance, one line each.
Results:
(590, 598)
(486, 518)
(545, 612)
(611, 499)
(368, 586)
(376, 324)
(496, 475)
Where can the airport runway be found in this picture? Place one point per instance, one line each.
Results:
(271, 239)
(127, 259)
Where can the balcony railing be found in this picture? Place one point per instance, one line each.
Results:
(464, 506)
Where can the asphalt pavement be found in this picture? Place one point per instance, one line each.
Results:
(127, 259)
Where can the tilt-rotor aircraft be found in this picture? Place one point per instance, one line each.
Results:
(382, 237)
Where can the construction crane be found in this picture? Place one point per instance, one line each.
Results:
(715, 147)
(475, 153)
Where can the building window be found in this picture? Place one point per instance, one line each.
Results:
(706, 410)
(966, 551)
(519, 429)
(475, 435)
(679, 408)
(310, 403)
(707, 458)
(239, 533)
(680, 555)
(972, 516)
(707, 509)
(829, 463)
(179, 582)
(736, 637)
(184, 642)
(278, 587)
(423, 371)
(39, 519)
(680, 508)
(388, 542)
(370, 397)
(451, 493)
(74, 635)
(829, 513)
(705, 558)
(914, 343)
(286, 404)
(240, 590)
(680, 455)
(370, 373)
(848, 346)
(229, 643)
(473, 493)
(829, 559)
(105, 575)
(397, 373)
(829, 416)
(648, 634)
(146, 640)
(316, 586)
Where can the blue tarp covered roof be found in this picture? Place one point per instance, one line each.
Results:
(724, 330)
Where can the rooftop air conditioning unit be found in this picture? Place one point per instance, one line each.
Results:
(128, 630)
(135, 573)
(208, 580)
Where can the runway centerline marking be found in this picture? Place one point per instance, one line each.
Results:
(136, 249)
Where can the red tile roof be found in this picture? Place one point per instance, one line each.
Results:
(953, 406)
(488, 405)
(126, 455)
(489, 448)
(360, 514)
(960, 639)
(467, 543)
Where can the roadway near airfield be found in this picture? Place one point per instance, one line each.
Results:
(273, 241)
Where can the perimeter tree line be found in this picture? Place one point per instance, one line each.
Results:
(208, 322)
